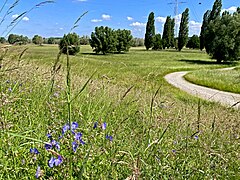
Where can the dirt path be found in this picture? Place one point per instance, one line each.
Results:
(225, 98)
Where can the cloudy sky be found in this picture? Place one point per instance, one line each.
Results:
(57, 18)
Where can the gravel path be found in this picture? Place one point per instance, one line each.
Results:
(225, 98)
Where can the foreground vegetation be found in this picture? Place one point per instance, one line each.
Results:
(145, 128)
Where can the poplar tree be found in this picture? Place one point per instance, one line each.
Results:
(150, 32)
(203, 29)
(183, 30)
(167, 30)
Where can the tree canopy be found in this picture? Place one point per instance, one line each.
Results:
(150, 32)
(183, 30)
(70, 44)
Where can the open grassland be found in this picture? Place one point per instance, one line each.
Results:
(154, 131)
(223, 80)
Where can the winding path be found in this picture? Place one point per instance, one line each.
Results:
(225, 98)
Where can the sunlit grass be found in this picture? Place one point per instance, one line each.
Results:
(222, 80)
(165, 134)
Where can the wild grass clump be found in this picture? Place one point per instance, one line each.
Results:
(117, 129)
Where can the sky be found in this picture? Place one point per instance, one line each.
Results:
(56, 19)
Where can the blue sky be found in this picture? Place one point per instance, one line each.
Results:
(57, 19)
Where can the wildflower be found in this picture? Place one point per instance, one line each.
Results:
(49, 136)
(104, 126)
(74, 146)
(8, 81)
(34, 151)
(110, 138)
(174, 151)
(95, 125)
(38, 172)
(78, 136)
(196, 137)
(65, 128)
(48, 146)
(58, 161)
(74, 126)
(56, 94)
(10, 89)
(51, 162)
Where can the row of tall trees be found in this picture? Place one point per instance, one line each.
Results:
(155, 41)
(220, 33)
(107, 40)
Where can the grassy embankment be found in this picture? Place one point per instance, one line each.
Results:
(157, 134)
(222, 80)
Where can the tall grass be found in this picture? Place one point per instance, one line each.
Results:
(156, 134)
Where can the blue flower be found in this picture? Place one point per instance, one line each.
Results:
(82, 142)
(95, 125)
(10, 89)
(65, 128)
(110, 138)
(104, 125)
(38, 172)
(74, 146)
(48, 146)
(78, 136)
(49, 136)
(74, 126)
(58, 161)
(196, 137)
(34, 151)
(174, 151)
(51, 162)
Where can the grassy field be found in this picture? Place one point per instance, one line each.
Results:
(133, 124)
(223, 80)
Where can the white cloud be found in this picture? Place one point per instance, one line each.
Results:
(138, 24)
(61, 28)
(194, 27)
(231, 9)
(15, 16)
(161, 19)
(25, 19)
(81, 0)
(106, 17)
(129, 18)
(96, 20)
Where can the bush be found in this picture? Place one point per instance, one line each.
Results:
(70, 44)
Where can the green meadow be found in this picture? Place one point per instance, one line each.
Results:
(133, 124)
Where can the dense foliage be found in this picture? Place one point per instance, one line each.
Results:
(150, 32)
(37, 39)
(183, 30)
(70, 44)
(157, 43)
(107, 40)
(2, 40)
(18, 39)
(168, 33)
(193, 42)
(124, 38)
(221, 33)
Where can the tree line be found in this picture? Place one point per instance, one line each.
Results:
(220, 34)
(167, 40)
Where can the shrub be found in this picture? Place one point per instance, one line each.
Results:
(70, 44)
